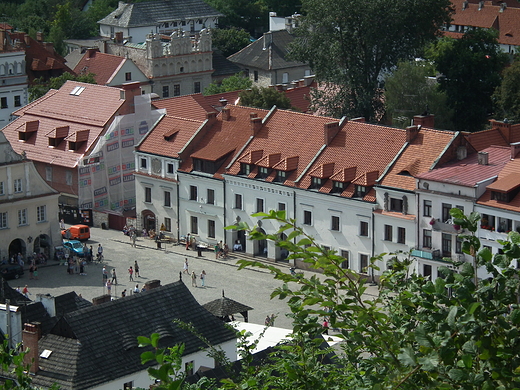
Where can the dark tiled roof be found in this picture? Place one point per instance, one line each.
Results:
(98, 344)
(225, 307)
(69, 302)
(224, 67)
(35, 311)
(7, 292)
(273, 57)
(154, 12)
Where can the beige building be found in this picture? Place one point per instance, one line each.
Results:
(28, 207)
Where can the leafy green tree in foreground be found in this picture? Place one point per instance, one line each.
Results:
(236, 82)
(264, 97)
(349, 43)
(507, 94)
(41, 87)
(455, 333)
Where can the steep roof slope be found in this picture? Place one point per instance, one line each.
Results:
(102, 65)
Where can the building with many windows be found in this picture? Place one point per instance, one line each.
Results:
(28, 207)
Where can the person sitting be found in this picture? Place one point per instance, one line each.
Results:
(125, 230)
(226, 250)
(144, 233)
(237, 246)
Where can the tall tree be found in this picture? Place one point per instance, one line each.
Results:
(471, 68)
(250, 15)
(264, 97)
(507, 94)
(229, 41)
(411, 90)
(40, 88)
(348, 43)
(236, 82)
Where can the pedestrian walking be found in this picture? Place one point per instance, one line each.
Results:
(35, 273)
(272, 319)
(133, 237)
(109, 287)
(136, 269)
(267, 321)
(193, 279)
(114, 276)
(31, 272)
(203, 278)
(131, 274)
(99, 253)
(25, 291)
(188, 241)
(216, 248)
(105, 275)
(186, 267)
(82, 268)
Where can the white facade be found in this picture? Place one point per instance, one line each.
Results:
(13, 84)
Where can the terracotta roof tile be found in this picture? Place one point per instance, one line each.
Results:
(287, 164)
(85, 115)
(366, 179)
(189, 106)
(509, 175)
(483, 139)
(507, 183)
(160, 139)
(102, 65)
(417, 158)
(323, 171)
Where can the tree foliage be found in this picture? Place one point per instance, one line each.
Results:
(264, 97)
(507, 95)
(411, 90)
(237, 82)
(41, 87)
(229, 41)
(250, 15)
(471, 68)
(348, 43)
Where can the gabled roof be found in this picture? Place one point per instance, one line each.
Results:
(223, 67)
(103, 66)
(98, 344)
(151, 13)
(507, 180)
(225, 306)
(468, 172)
(275, 138)
(188, 106)
(360, 153)
(427, 147)
(268, 52)
(490, 15)
(500, 134)
(85, 114)
(169, 136)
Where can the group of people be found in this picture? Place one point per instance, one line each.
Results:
(269, 320)
(75, 265)
(193, 275)
(221, 250)
(108, 282)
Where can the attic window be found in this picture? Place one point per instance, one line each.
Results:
(316, 183)
(360, 191)
(405, 173)
(77, 91)
(53, 142)
(45, 354)
(263, 172)
(281, 176)
(22, 136)
(338, 186)
(245, 169)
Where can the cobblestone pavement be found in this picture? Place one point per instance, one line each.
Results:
(251, 287)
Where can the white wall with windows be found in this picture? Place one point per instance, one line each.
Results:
(13, 84)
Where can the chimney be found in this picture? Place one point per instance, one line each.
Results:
(424, 120)
(119, 37)
(226, 113)
(130, 90)
(301, 83)
(329, 131)
(30, 336)
(211, 117)
(411, 132)
(27, 39)
(256, 125)
(480, 5)
(253, 115)
(483, 158)
(279, 87)
(101, 299)
(514, 150)
(49, 46)
(223, 101)
(3, 40)
(308, 80)
(151, 284)
(39, 36)
(91, 52)
(267, 38)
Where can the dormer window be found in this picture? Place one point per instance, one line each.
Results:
(281, 176)
(245, 169)
(500, 196)
(316, 183)
(338, 187)
(263, 172)
(360, 191)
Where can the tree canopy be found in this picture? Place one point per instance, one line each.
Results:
(471, 68)
(40, 88)
(411, 89)
(264, 97)
(237, 82)
(507, 95)
(229, 41)
(349, 43)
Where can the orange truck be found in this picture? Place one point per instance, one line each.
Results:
(76, 232)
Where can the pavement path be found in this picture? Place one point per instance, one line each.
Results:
(251, 287)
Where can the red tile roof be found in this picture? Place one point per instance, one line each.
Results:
(501, 134)
(468, 172)
(417, 158)
(491, 15)
(277, 141)
(169, 136)
(189, 106)
(509, 177)
(85, 116)
(103, 65)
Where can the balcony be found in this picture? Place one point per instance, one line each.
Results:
(436, 255)
(491, 234)
(445, 227)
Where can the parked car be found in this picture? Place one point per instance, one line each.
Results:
(76, 232)
(11, 271)
(75, 247)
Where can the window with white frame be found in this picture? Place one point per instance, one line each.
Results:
(143, 163)
(48, 173)
(22, 217)
(41, 213)
(2, 188)
(167, 199)
(148, 195)
(401, 235)
(194, 225)
(3, 220)
(281, 206)
(210, 196)
(211, 228)
(259, 205)
(17, 185)
(334, 223)
(363, 263)
(345, 263)
(193, 192)
(168, 224)
(427, 208)
(68, 178)
(170, 168)
(363, 228)
(388, 232)
(427, 238)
